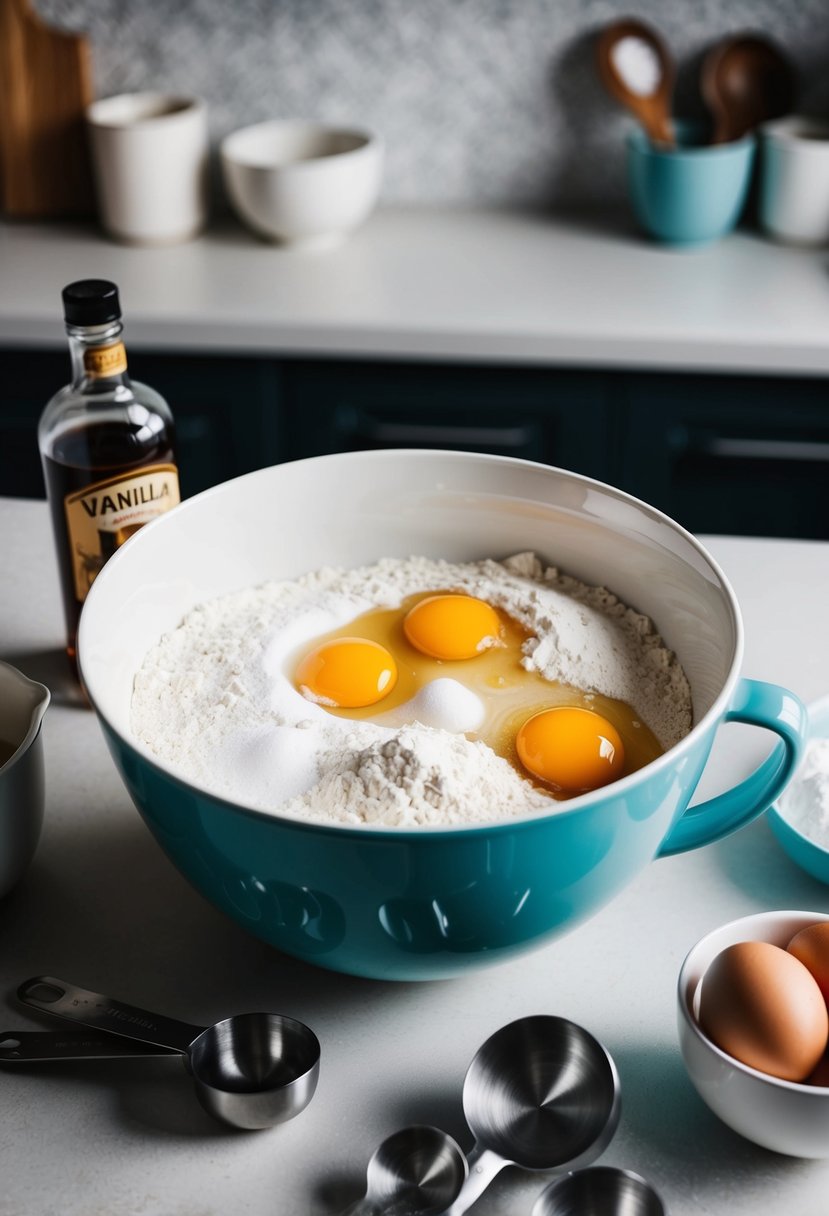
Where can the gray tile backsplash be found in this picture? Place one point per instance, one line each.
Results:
(482, 101)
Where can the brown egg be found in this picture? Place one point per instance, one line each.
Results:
(760, 1005)
(820, 1076)
(811, 946)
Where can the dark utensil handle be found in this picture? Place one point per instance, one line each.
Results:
(45, 1046)
(100, 1012)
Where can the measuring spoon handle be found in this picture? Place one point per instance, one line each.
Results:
(484, 1164)
(100, 1012)
(49, 1046)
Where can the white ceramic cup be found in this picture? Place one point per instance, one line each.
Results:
(794, 180)
(150, 157)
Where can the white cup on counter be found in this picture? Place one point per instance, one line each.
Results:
(794, 180)
(150, 160)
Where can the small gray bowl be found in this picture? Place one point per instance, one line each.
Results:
(23, 702)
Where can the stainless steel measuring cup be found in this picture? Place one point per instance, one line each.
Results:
(541, 1093)
(251, 1070)
(417, 1171)
(57, 1046)
(599, 1191)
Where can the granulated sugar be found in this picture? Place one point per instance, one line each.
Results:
(214, 699)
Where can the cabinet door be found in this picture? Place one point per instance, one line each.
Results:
(226, 413)
(730, 454)
(556, 417)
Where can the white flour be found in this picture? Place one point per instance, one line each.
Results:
(215, 701)
(805, 804)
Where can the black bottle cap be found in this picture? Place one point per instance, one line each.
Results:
(91, 302)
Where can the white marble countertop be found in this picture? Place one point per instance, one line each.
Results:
(101, 906)
(459, 284)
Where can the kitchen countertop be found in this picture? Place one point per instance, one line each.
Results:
(101, 906)
(458, 284)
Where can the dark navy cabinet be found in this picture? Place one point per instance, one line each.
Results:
(27, 381)
(735, 454)
(559, 418)
(744, 455)
(226, 412)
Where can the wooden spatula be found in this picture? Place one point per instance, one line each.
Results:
(45, 86)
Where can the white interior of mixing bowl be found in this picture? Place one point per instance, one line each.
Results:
(353, 509)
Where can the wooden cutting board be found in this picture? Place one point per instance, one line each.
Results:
(45, 86)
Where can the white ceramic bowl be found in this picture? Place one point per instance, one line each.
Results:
(302, 183)
(780, 1115)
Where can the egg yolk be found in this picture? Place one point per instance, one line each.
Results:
(574, 749)
(347, 673)
(452, 626)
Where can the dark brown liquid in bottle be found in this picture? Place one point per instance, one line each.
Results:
(79, 458)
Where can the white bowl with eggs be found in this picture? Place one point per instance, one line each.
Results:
(303, 184)
(786, 1116)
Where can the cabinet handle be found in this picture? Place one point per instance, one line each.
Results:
(759, 449)
(417, 434)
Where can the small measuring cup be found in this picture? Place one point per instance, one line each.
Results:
(23, 702)
(541, 1093)
(251, 1070)
(418, 1171)
(600, 1191)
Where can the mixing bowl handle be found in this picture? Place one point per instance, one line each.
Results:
(758, 704)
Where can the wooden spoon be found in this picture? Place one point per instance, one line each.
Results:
(745, 80)
(636, 67)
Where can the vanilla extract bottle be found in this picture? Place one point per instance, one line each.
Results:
(107, 448)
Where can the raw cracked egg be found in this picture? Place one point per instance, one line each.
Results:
(573, 749)
(760, 1004)
(454, 662)
(452, 626)
(347, 673)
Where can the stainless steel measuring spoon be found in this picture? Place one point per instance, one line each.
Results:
(600, 1191)
(418, 1171)
(251, 1071)
(541, 1093)
(52, 1046)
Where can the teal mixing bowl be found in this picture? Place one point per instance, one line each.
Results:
(408, 904)
(690, 194)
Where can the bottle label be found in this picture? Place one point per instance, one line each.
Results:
(105, 360)
(103, 515)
